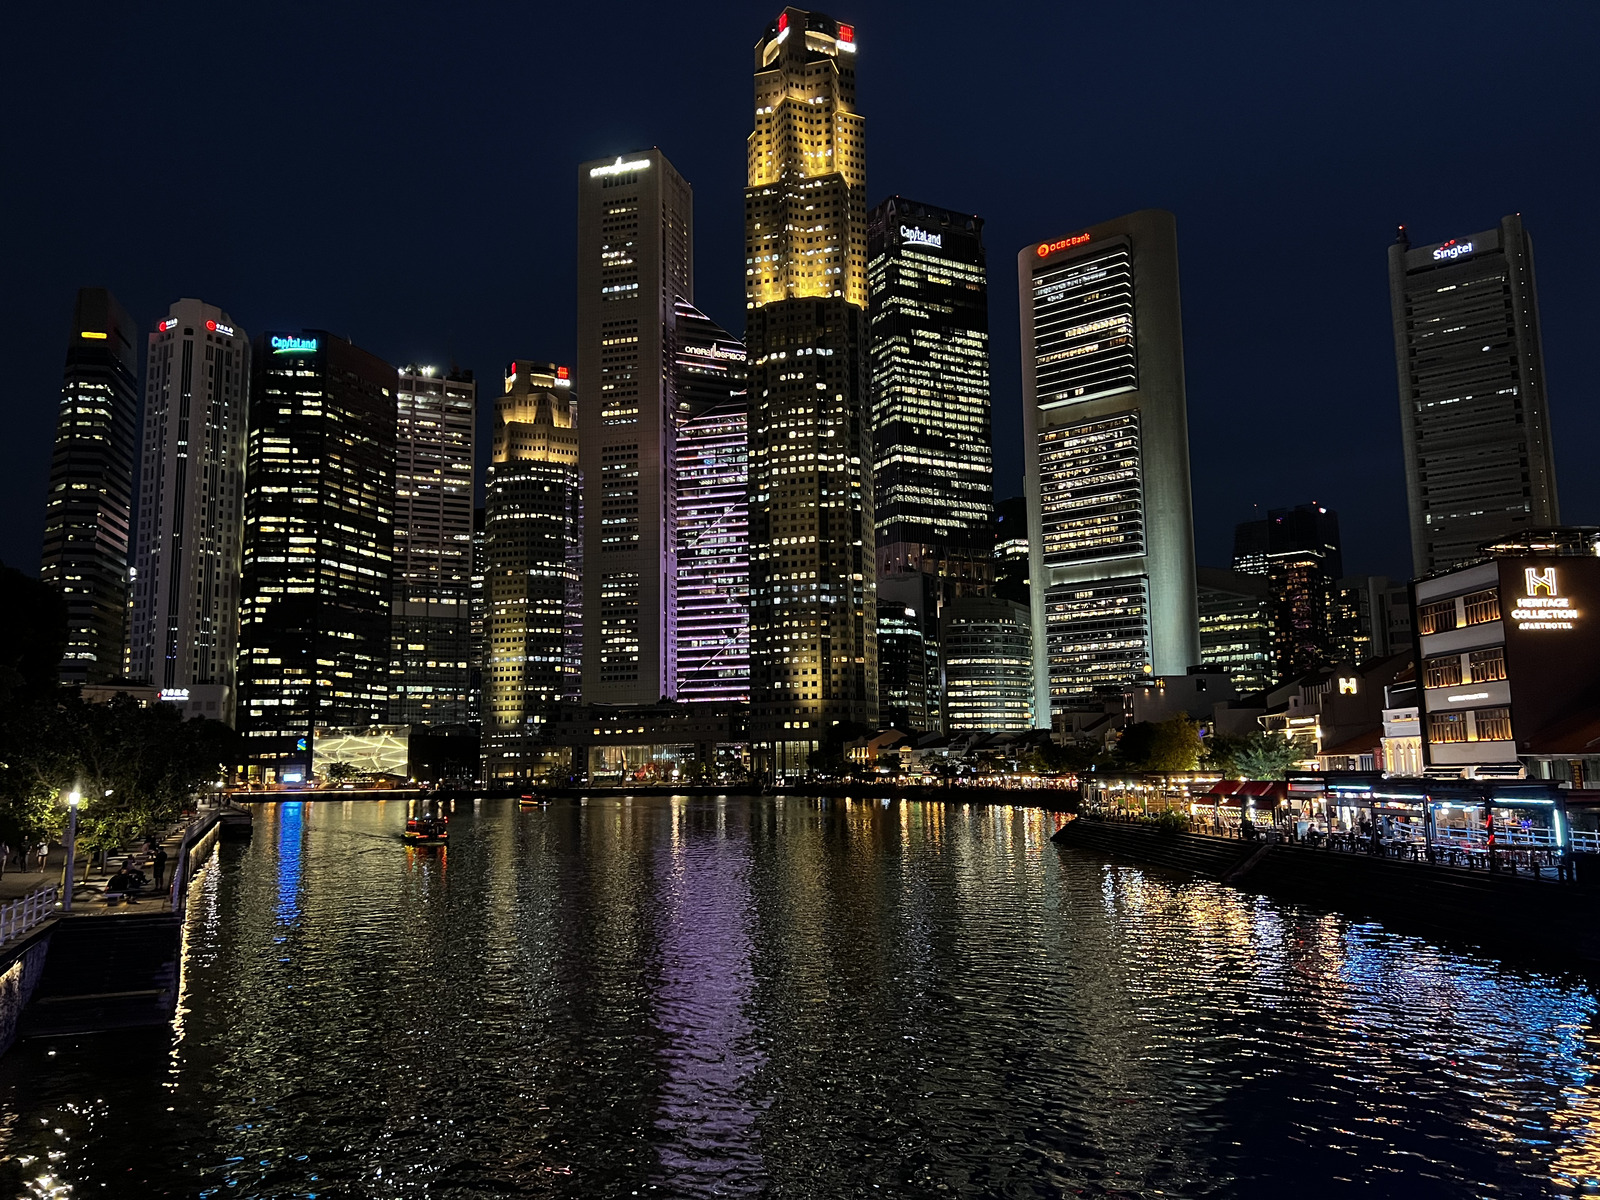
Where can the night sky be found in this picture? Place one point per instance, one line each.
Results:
(405, 174)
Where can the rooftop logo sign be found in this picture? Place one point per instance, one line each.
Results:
(921, 237)
(293, 345)
(1046, 249)
(619, 167)
(1452, 249)
(1542, 606)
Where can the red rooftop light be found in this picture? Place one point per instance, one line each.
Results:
(783, 22)
(561, 372)
(212, 326)
(847, 33)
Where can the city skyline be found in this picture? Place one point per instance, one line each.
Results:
(1344, 322)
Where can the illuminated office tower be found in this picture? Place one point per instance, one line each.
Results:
(987, 646)
(89, 507)
(1106, 460)
(713, 511)
(813, 592)
(932, 474)
(430, 651)
(530, 531)
(477, 620)
(1473, 414)
(904, 672)
(318, 546)
(185, 631)
(1236, 626)
(635, 261)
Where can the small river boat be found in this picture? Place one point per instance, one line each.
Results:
(427, 831)
(531, 800)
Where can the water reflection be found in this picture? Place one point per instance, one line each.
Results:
(794, 997)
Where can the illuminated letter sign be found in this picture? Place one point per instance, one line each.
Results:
(92, 336)
(176, 694)
(1046, 249)
(217, 327)
(294, 345)
(847, 39)
(921, 237)
(169, 323)
(1347, 685)
(1543, 607)
(619, 167)
(1452, 249)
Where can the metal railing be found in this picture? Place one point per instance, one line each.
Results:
(22, 915)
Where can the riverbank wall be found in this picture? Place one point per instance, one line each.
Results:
(1504, 913)
(21, 968)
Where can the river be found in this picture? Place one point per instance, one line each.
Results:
(795, 998)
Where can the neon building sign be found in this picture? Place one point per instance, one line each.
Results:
(1452, 249)
(218, 327)
(1542, 606)
(921, 237)
(1046, 249)
(294, 345)
(619, 167)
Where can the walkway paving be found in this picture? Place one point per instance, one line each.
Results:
(87, 897)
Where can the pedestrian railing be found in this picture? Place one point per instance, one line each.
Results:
(22, 915)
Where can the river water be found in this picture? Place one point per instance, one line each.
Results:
(795, 998)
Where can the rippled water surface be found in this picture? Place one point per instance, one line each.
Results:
(795, 998)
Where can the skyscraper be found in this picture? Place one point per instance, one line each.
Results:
(185, 635)
(88, 510)
(430, 647)
(531, 529)
(635, 261)
(813, 642)
(713, 440)
(318, 545)
(1304, 561)
(932, 474)
(1473, 414)
(1106, 460)
(1236, 627)
(477, 619)
(988, 665)
(903, 668)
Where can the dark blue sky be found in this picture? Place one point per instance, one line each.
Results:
(404, 174)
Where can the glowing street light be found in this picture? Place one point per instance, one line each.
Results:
(73, 800)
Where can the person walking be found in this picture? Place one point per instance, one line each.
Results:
(158, 866)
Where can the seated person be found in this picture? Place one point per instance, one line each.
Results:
(120, 884)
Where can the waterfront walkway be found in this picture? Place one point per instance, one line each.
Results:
(88, 894)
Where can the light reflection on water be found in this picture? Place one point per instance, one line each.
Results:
(794, 998)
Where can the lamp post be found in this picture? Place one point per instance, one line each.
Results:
(73, 800)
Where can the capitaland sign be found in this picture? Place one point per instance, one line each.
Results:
(293, 345)
(1452, 249)
(619, 167)
(1542, 606)
(921, 237)
(1046, 249)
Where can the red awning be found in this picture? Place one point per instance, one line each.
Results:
(1223, 787)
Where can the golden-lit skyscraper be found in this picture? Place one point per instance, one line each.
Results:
(813, 626)
(531, 517)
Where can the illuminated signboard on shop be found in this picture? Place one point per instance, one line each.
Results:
(619, 167)
(218, 327)
(294, 345)
(175, 694)
(1046, 249)
(1452, 249)
(921, 237)
(1542, 606)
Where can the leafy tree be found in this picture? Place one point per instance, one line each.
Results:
(1050, 757)
(1170, 745)
(1222, 751)
(339, 771)
(1266, 756)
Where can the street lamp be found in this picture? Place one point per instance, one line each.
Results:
(73, 800)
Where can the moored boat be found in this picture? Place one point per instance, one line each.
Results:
(427, 831)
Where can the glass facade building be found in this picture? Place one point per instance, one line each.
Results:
(188, 571)
(429, 662)
(987, 646)
(1473, 413)
(713, 447)
(89, 508)
(1107, 460)
(904, 678)
(318, 545)
(1236, 627)
(813, 607)
(531, 537)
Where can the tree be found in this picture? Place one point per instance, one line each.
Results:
(1221, 753)
(1171, 745)
(1049, 757)
(339, 771)
(1266, 756)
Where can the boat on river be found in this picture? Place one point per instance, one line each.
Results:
(427, 831)
(532, 800)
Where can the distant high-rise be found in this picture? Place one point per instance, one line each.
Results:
(1106, 460)
(932, 473)
(713, 440)
(185, 633)
(904, 678)
(477, 619)
(813, 643)
(318, 546)
(88, 512)
(531, 530)
(1304, 561)
(987, 646)
(1474, 419)
(429, 660)
(1236, 627)
(635, 261)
